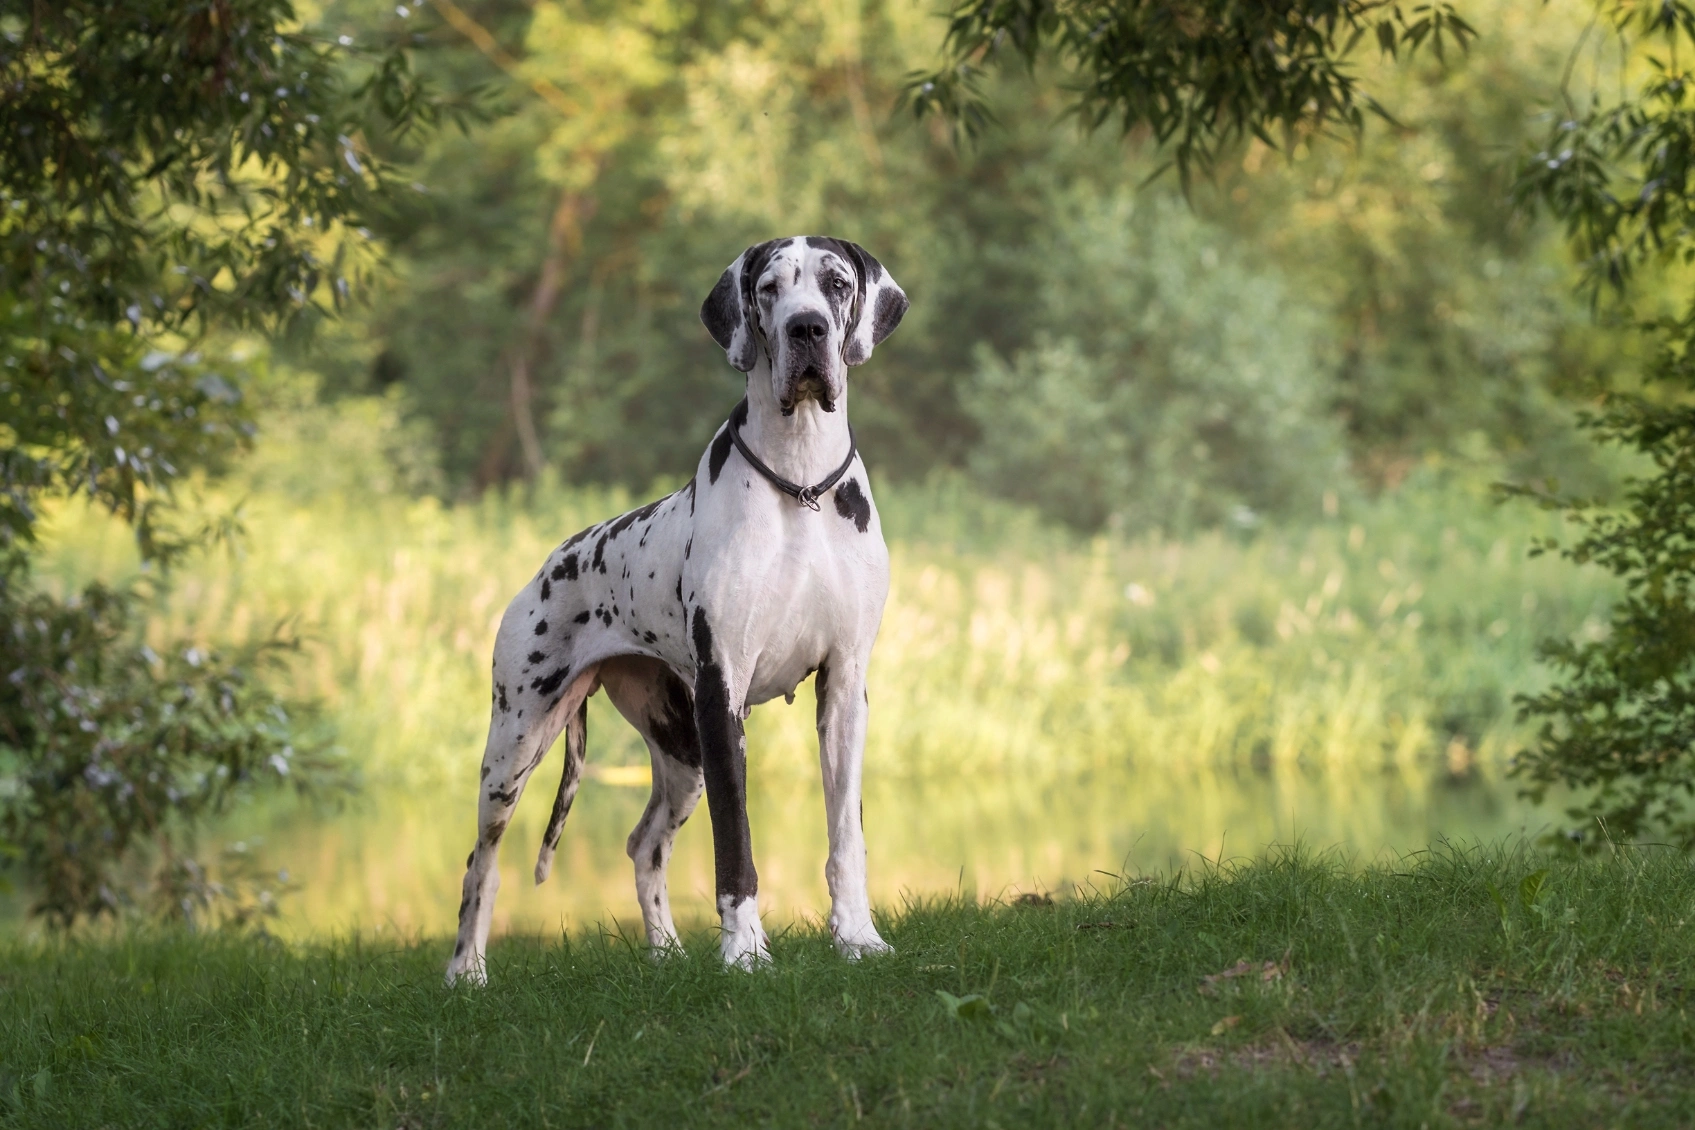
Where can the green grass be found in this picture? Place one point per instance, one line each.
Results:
(1454, 988)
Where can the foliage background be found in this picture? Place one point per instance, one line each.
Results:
(1101, 385)
(1077, 341)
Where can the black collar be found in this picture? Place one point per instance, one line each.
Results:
(806, 496)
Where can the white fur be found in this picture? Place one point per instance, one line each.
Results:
(782, 589)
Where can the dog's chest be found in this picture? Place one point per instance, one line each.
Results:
(796, 587)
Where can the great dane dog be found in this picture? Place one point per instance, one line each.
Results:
(728, 593)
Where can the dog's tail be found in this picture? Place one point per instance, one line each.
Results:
(576, 748)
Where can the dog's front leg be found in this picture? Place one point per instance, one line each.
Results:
(842, 712)
(723, 758)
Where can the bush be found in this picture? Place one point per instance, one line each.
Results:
(1168, 387)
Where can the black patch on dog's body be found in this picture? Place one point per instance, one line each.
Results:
(852, 504)
(535, 657)
(547, 684)
(546, 590)
(583, 617)
(821, 692)
(541, 627)
(566, 570)
(721, 443)
(599, 561)
(625, 521)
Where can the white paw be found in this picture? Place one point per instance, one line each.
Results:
(860, 941)
(743, 942)
(468, 966)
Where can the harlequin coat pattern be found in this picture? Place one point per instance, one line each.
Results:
(693, 609)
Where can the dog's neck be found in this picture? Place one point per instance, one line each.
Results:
(803, 447)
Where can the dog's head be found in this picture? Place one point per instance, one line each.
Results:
(812, 305)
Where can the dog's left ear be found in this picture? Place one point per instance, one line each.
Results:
(882, 304)
(725, 313)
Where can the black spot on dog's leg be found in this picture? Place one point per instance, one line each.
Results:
(483, 777)
(500, 697)
(658, 861)
(547, 684)
(852, 504)
(671, 722)
(724, 765)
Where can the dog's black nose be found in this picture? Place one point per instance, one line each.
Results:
(808, 327)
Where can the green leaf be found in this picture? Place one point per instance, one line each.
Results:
(1532, 888)
(974, 1006)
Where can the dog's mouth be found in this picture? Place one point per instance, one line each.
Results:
(812, 384)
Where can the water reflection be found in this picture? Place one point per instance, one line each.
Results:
(392, 860)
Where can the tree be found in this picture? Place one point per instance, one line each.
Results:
(1618, 170)
(1200, 76)
(169, 170)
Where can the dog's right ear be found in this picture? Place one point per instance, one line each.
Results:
(726, 313)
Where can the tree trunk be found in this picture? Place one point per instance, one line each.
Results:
(564, 241)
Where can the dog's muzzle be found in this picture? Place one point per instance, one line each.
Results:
(807, 341)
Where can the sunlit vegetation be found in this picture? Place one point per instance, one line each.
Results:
(1354, 664)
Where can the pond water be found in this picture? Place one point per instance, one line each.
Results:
(390, 861)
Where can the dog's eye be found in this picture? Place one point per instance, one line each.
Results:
(839, 284)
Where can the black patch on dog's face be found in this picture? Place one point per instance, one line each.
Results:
(852, 504)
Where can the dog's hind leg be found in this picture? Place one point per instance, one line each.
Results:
(515, 747)
(658, 704)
